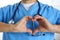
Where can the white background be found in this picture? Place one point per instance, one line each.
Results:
(54, 3)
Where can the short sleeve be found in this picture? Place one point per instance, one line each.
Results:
(58, 18)
(5, 13)
(52, 13)
(56, 14)
(1, 15)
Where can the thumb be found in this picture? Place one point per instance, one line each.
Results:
(35, 31)
(28, 30)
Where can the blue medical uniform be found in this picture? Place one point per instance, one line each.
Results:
(48, 12)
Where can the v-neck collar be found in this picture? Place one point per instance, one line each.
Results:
(30, 7)
(31, 10)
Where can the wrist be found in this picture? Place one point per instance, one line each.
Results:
(12, 26)
(52, 29)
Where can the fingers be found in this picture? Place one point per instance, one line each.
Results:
(37, 17)
(26, 18)
(40, 19)
(29, 18)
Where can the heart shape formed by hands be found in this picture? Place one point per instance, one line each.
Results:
(43, 24)
(21, 25)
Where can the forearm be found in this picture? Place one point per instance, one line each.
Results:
(55, 29)
(6, 27)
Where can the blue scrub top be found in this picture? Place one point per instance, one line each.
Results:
(48, 12)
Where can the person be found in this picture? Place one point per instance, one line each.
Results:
(45, 25)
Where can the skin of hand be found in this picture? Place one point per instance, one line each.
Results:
(44, 25)
(21, 25)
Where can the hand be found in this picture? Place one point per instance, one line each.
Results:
(44, 25)
(21, 25)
